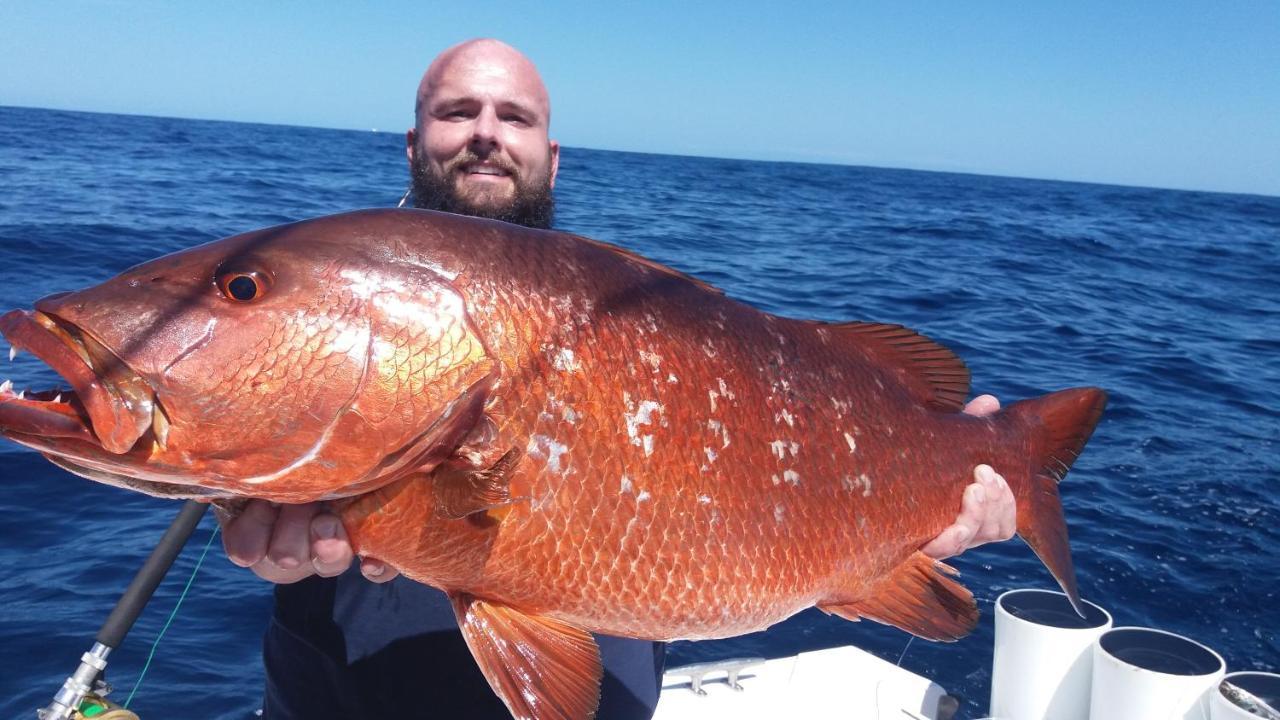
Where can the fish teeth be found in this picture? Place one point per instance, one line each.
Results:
(22, 395)
(160, 426)
(6, 386)
(13, 353)
(57, 398)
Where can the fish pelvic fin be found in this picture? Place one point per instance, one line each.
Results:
(462, 489)
(541, 668)
(930, 372)
(1062, 423)
(919, 597)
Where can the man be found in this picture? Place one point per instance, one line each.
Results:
(346, 647)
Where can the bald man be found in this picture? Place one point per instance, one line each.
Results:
(348, 643)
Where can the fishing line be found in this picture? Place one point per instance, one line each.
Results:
(910, 638)
(172, 615)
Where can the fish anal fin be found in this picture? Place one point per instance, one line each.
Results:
(462, 489)
(542, 668)
(930, 371)
(919, 597)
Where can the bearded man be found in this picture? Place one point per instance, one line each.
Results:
(348, 643)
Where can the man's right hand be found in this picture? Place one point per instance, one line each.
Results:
(286, 543)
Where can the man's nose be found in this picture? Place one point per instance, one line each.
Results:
(484, 133)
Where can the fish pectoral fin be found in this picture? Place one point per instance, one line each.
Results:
(919, 597)
(462, 489)
(929, 371)
(542, 668)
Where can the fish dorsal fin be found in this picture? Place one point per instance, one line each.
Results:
(462, 489)
(542, 668)
(930, 371)
(920, 597)
(650, 264)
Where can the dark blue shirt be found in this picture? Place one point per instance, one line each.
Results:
(348, 648)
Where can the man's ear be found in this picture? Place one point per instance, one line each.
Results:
(555, 161)
(410, 142)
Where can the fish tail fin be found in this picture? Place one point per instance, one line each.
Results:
(1061, 424)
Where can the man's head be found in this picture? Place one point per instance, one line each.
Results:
(479, 144)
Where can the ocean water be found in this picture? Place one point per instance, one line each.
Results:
(1169, 300)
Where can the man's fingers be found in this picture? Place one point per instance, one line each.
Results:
(956, 537)
(376, 571)
(982, 405)
(330, 550)
(284, 544)
(291, 539)
(999, 518)
(246, 536)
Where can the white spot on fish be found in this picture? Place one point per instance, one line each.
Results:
(711, 454)
(626, 484)
(564, 360)
(544, 446)
(853, 445)
(718, 428)
(641, 414)
(786, 417)
(704, 499)
(654, 360)
(865, 481)
(776, 480)
(569, 415)
(779, 513)
(795, 448)
(779, 449)
(671, 378)
(643, 496)
(792, 477)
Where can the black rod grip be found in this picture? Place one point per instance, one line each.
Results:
(135, 597)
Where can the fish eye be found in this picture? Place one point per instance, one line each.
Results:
(243, 286)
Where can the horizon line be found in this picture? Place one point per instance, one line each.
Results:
(974, 173)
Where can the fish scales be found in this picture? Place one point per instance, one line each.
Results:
(627, 510)
(562, 435)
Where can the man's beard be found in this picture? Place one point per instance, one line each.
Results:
(532, 206)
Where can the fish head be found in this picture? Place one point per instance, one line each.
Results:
(301, 362)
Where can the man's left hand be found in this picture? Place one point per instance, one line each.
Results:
(987, 512)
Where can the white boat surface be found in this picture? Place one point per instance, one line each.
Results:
(841, 682)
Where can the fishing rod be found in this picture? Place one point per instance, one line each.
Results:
(66, 703)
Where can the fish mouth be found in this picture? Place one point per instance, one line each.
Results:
(109, 405)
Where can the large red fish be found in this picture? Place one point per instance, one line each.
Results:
(562, 435)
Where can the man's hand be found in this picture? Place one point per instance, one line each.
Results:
(286, 543)
(987, 512)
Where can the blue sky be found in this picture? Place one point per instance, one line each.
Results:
(1165, 94)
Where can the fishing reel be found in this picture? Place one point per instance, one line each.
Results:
(94, 705)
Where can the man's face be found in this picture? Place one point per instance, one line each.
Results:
(480, 144)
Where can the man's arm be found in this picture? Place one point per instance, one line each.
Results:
(286, 543)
